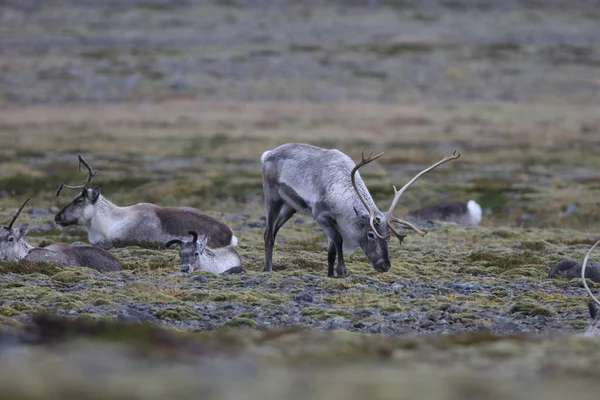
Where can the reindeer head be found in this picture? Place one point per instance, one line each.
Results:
(190, 252)
(12, 246)
(377, 225)
(81, 209)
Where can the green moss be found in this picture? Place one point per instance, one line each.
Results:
(241, 322)
(25, 268)
(535, 245)
(195, 296)
(529, 306)
(177, 313)
(71, 275)
(323, 313)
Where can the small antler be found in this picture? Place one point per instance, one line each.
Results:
(91, 173)
(398, 193)
(17, 214)
(364, 162)
(172, 242)
(194, 234)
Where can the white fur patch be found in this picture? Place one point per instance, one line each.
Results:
(264, 155)
(234, 241)
(474, 211)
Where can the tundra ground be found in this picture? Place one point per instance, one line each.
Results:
(479, 298)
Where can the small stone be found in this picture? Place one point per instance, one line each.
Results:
(200, 279)
(307, 297)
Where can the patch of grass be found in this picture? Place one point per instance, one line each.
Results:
(25, 268)
(241, 322)
(526, 305)
(324, 313)
(395, 49)
(176, 313)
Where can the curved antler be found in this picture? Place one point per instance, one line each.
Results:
(398, 193)
(585, 261)
(194, 234)
(17, 214)
(172, 242)
(91, 173)
(358, 192)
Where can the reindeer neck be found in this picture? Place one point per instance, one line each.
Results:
(106, 216)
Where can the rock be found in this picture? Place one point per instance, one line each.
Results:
(257, 224)
(200, 279)
(299, 221)
(306, 297)
(37, 211)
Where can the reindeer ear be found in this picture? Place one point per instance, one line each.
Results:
(95, 194)
(23, 229)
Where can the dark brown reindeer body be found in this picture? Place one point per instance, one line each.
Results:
(327, 183)
(13, 247)
(106, 222)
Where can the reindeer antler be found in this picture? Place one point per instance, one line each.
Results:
(194, 235)
(364, 162)
(398, 193)
(91, 173)
(172, 242)
(585, 261)
(17, 214)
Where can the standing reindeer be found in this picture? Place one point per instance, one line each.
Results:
(327, 182)
(196, 255)
(106, 222)
(13, 247)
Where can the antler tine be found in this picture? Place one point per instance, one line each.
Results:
(17, 214)
(91, 173)
(406, 223)
(399, 236)
(398, 193)
(364, 162)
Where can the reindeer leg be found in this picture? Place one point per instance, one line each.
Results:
(329, 225)
(331, 253)
(272, 212)
(285, 214)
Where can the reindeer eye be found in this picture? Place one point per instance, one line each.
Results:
(377, 220)
(371, 235)
(10, 239)
(196, 254)
(79, 200)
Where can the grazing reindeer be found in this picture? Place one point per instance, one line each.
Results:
(466, 214)
(327, 182)
(13, 247)
(106, 222)
(196, 255)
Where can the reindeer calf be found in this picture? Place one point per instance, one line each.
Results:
(196, 255)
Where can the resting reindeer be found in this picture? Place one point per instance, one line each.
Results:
(13, 247)
(327, 182)
(106, 222)
(196, 255)
(466, 214)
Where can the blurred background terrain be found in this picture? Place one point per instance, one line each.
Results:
(174, 102)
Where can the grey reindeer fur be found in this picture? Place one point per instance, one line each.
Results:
(304, 177)
(106, 222)
(13, 247)
(195, 255)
